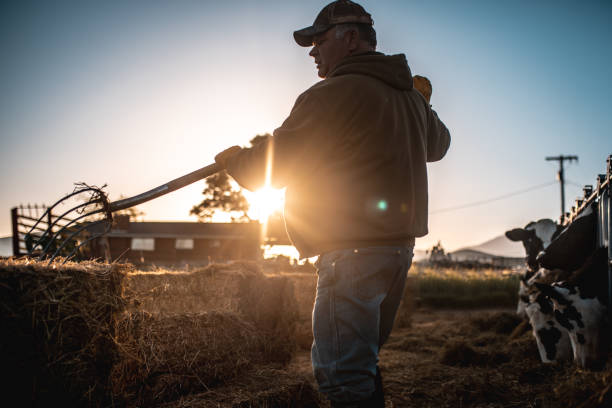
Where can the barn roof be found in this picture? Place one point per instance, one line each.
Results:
(186, 230)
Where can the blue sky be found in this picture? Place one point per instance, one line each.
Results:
(136, 93)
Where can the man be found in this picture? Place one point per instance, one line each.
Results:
(352, 155)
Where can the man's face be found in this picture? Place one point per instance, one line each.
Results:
(328, 50)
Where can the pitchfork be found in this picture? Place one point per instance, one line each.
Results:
(79, 225)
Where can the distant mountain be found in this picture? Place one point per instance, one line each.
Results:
(499, 246)
(6, 246)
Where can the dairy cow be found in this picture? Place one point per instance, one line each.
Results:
(551, 337)
(580, 307)
(571, 246)
(536, 236)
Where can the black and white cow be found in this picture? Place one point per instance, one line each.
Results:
(571, 246)
(580, 307)
(578, 298)
(551, 337)
(536, 236)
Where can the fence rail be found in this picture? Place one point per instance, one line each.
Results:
(600, 196)
(31, 220)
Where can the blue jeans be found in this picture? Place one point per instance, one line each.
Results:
(358, 294)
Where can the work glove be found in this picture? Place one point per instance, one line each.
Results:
(222, 158)
(423, 85)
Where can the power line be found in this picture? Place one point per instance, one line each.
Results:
(561, 176)
(573, 183)
(481, 202)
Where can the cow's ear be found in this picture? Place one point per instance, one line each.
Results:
(517, 234)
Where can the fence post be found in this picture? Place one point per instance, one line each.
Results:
(14, 219)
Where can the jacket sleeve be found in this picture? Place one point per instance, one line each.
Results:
(438, 138)
(295, 148)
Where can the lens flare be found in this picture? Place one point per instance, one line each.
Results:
(264, 202)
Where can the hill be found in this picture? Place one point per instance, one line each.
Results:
(499, 246)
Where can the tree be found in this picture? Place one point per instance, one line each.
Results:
(437, 254)
(219, 195)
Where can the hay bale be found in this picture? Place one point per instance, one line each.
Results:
(58, 326)
(164, 358)
(268, 302)
(214, 287)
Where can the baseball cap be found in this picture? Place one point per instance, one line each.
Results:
(337, 12)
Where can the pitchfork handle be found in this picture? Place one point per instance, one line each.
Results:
(166, 188)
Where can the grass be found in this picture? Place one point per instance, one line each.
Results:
(464, 288)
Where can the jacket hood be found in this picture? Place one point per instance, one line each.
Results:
(391, 69)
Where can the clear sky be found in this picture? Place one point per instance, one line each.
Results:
(135, 93)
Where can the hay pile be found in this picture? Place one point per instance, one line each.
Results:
(58, 325)
(91, 334)
(260, 388)
(476, 359)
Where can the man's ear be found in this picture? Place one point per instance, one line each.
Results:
(352, 39)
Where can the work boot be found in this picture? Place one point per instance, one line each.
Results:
(377, 400)
(378, 397)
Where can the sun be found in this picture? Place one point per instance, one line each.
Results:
(264, 202)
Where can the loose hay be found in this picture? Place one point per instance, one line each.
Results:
(58, 326)
(500, 323)
(261, 388)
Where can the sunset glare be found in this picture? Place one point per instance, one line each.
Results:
(264, 202)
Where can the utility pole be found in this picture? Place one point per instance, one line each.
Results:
(561, 176)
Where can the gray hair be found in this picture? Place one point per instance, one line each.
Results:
(366, 32)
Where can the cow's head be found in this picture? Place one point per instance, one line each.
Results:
(536, 236)
(523, 292)
(552, 339)
(523, 299)
(584, 319)
(572, 245)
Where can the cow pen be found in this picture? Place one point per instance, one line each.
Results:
(24, 220)
(600, 196)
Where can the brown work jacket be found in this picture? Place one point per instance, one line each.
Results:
(352, 155)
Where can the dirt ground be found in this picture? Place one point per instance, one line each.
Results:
(477, 358)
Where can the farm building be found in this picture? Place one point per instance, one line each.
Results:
(176, 242)
(471, 255)
(165, 242)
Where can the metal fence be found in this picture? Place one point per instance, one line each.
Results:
(600, 196)
(29, 223)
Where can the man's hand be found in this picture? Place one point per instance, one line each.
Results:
(423, 85)
(222, 158)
